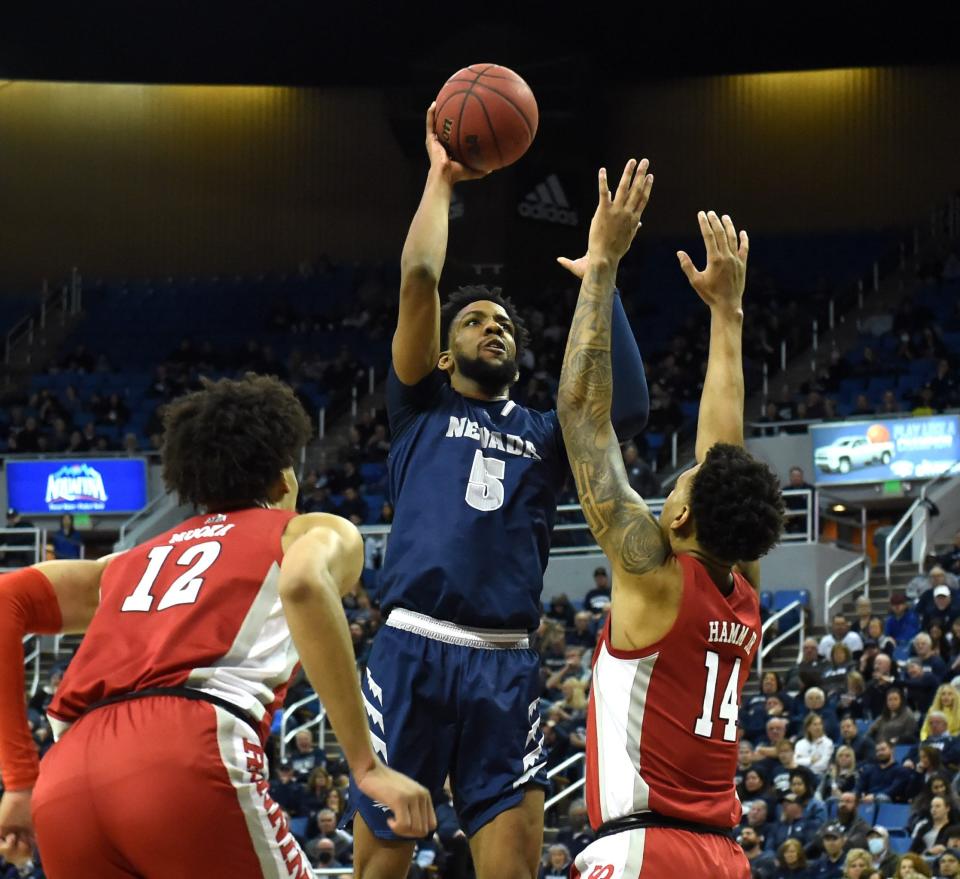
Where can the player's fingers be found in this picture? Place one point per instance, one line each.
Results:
(604, 195)
(744, 251)
(687, 266)
(431, 118)
(639, 189)
(623, 188)
(718, 234)
(709, 239)
(730, 232)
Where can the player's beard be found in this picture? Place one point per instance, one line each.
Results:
(492, 378)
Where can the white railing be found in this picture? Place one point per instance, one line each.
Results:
(892, 553)
(808, 534)
(287, 736)
(34, 550)
(862, 583)
(571, 788)
(800, 627)
(31, 659)
(161, 503)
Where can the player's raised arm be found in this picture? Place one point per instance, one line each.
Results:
(416, 342)
(48, 598)
(720, 285)
(317, 569)
(617, 516)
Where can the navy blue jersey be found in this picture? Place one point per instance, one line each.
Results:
(475, 487)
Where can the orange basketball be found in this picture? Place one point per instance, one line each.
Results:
(877, 433)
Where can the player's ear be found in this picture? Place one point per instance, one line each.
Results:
(445, 362)
(681, 520)
(282, 492)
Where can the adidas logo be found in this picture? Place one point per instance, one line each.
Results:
(456, 206)
(548, 202)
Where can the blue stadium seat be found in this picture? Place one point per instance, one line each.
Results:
(863, 725)
(866, 811)
(900, 844)
(782, 598)
(893, 815)
(832, 803)
(766, 599)
(298, 826)
(900, 753)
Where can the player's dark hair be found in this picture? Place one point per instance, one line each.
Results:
(463, 296)
(226, 444)
(736, 505)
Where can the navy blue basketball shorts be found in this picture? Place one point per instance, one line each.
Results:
(442, 699)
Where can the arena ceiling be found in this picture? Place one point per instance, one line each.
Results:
(409, 43)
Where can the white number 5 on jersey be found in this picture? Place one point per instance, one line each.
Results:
(485, 485)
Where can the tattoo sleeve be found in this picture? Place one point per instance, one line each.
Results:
(619, 519)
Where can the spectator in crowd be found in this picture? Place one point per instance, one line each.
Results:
(791, 860)
(923, 584)
(855, 828)
(948, 866)
(318, 785)
(840, 634)
(780, 778)
(936, 785)
(917, 773)
(335, 802)
(919, 686)
(324, 856)
(67, 544)
(896, 723)
(950, 559)
(882, 859)
(929, 837)
(930, 661)
(857, 864)
(597, 600)
(834, 676)
(841, 776)
(815, 701)
(875, 697)
(947, 703)
(756, 814)
(754, 789)
(795, 523)
(577, 835)
(815, 749)
(561, 610)
(882, 641)
(765, 756)
(557, 863)
(902, 623)
(911, 866)
(326, 828)
(286, 791)
(880, 776)
(583, 634)
(937, 601)
(306, 756)
(791, 824)
(850, 735)
(763, 864)
(803, 784)
(811, 666)
(937, 736)
(639, 473)
(831, 863)
(572, 668)
(851, 700)
(863, 610)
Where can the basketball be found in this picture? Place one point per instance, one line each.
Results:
(486, 116)
(877, 433)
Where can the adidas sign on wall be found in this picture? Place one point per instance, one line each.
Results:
(548, 202)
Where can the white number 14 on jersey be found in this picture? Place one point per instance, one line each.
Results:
(728, 709)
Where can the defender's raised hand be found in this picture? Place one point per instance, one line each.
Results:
(440, 160)
(617, 219)
(721, 283)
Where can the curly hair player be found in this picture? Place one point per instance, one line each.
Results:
(684, 621)
(191, 641)
(451, 684)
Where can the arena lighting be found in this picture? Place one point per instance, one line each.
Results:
(839, 508)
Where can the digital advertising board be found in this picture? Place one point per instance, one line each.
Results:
(881, 450)
(76, 485)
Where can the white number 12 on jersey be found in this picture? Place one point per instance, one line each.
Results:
(729, 709)
(185, 589)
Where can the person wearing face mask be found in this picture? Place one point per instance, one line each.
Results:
(878, 843)
(326, 859)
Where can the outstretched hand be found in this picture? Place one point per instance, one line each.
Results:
(617, 219)
(576, 267)
(440, 160)
(721, 283)
(411, 804)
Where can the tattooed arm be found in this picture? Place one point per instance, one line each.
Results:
(619, 519)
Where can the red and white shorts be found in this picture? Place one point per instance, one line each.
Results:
(661, 853)
(161, 788)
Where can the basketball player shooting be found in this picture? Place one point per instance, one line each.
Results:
(452, 685)
(684, 624)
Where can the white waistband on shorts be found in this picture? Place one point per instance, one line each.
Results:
(451, 633)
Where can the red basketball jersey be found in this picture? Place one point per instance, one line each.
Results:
(196, 606)
(662, 722)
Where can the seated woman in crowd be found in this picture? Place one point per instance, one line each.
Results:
(946, 701)
(930, 835)
(911, 866)
(936, 785)
(834, 676)
(804, 785)
(754, 787)
(863, 611)
(792, 861)
(850, 700)
(815, 749)
(842, 774)
(896, 723)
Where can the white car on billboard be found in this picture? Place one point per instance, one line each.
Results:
(847, 452)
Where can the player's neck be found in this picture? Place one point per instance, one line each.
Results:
(467, 387)
(719, 571)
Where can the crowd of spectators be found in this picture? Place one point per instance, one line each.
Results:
(849, 762)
